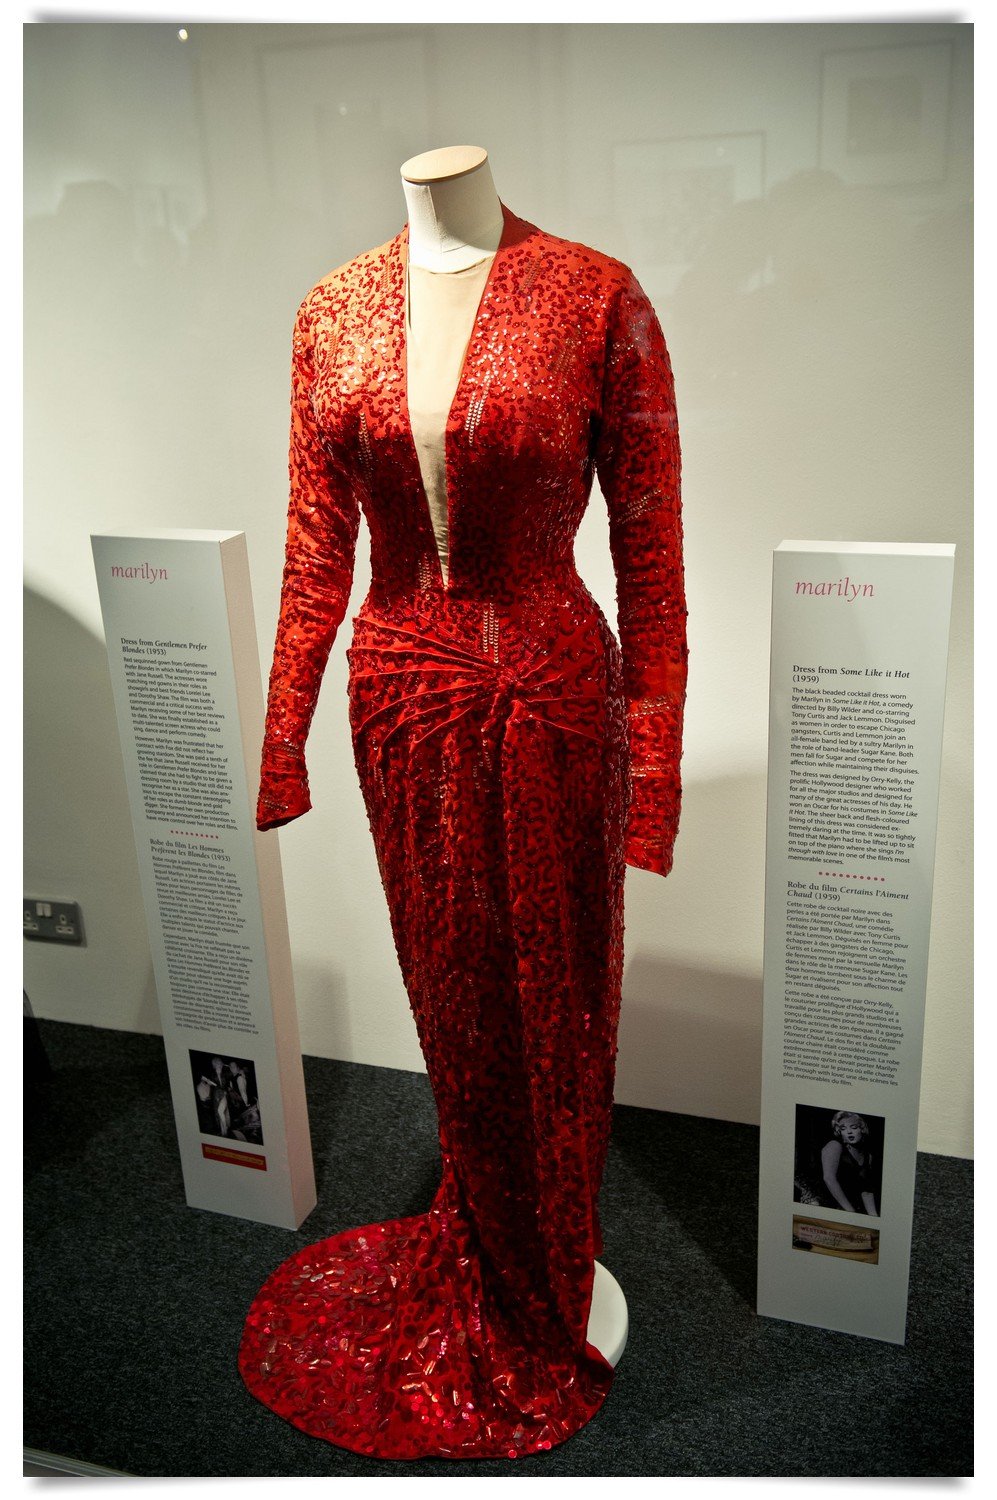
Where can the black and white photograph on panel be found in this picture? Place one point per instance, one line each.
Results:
(226, 1097)
(838, 1159)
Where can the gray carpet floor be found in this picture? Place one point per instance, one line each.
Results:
(134, 1302)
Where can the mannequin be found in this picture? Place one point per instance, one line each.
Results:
(455, 222)
(454, 212)
(455, 225)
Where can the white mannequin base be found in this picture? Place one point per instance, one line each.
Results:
(609, 1322)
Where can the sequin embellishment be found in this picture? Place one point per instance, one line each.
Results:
(513, 755)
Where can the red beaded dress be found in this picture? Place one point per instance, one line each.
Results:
(513, 756)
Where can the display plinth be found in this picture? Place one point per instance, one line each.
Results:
(609, 1319)
(859, 649)
(182, 652)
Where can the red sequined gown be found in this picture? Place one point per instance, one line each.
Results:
(513, 756)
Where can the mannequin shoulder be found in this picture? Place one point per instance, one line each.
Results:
(573, 253)
(361, 277)
(582, 266)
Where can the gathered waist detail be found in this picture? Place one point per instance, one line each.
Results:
(550, 660)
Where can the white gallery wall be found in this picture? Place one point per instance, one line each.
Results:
(795, 198)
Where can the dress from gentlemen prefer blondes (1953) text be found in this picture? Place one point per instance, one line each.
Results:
(514, 755)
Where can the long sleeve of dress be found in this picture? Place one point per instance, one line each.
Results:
(322, 525)
(638, 467)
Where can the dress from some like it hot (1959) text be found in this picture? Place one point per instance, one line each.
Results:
(514, 756)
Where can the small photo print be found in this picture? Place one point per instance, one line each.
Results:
(838, 1160)
(847, 1241)
(226, 1098)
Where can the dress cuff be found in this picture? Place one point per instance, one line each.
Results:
(284, 793)
(652, 826)
(655, 783)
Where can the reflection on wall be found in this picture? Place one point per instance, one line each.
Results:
(885, 113)
(674, 194)
(363, 98)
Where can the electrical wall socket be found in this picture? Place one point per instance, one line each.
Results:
(52, 921)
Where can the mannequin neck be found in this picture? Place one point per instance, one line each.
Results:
(455, 216)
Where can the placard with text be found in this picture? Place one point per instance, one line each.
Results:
(182, 651)
(859, 651)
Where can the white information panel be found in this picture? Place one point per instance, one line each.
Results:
(859, 649)
(181, 641)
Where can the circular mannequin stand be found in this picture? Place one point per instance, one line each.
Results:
(609, 1322)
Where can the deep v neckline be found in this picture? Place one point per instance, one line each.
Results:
(473, 340)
